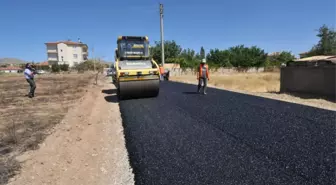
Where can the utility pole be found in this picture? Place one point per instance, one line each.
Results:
(94, 62)
(162, 39)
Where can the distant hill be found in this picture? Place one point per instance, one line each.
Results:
(11, 61)
(106, 62)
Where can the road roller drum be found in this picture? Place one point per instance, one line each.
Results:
(138, 89)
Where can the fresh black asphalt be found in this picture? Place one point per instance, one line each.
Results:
(227, 138)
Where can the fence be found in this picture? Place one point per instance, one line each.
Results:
(220, 71)
(310, 79)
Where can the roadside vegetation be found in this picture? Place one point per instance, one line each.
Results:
(89, 65)
(251, 82)
(24, 122)
(240, 57)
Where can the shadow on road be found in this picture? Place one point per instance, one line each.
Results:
(112, 95)
(112, 99)
(109, 91)
(190, 92)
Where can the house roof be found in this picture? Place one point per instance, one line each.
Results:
(316, 58)
(66, 42)
(45, 63)
(10, 68)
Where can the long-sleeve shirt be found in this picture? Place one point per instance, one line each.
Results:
(28, 74)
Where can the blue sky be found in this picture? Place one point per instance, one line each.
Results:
(25, 25)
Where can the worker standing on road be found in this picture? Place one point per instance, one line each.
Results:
(29, 75)
(203, 76)
(161, 72)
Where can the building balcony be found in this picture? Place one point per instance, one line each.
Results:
(51, 51)
(52, 59)
(85, 57)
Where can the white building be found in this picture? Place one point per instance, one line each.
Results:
(10, 69)
(67, 52)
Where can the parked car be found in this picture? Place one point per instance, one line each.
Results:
(109, 72)
(40, 72)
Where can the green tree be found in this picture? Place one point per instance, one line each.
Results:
(278, 59)
(219, 58)
(171, 50)
(189, 58)
(244, 57)
(202, 53)
(55, 68)
(326, 44)
(237, 56)
(64, 67)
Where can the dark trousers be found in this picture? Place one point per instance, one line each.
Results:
(32, 87)
(205, 84)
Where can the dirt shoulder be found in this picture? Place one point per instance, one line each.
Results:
(313, 102)
(87, 147)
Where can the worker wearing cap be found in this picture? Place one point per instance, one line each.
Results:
(29, 75)
(203, 76)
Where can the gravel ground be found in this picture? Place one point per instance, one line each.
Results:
(88, 147)
(227, 138)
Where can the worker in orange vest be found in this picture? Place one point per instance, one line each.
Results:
(161, 72)
(203, 76)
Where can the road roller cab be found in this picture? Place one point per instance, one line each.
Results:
(137, 73)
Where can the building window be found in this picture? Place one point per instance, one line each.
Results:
(61, 50)
(62, 58)
(75, 55)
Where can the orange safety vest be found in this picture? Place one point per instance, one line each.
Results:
(200, 71)
(161, 70)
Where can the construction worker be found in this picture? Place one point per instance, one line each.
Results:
(29, 75)
(161, 72)
(203, 76)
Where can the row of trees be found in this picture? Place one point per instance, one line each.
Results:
(91, 65)
(59, 67)
(88, 65)
(239, 56)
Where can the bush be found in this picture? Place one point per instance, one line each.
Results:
(55, 68)
(89, 66)
(46, 68)
(64, 67)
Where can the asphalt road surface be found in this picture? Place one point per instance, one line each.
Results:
(227, 138)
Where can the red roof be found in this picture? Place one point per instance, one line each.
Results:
(10, 68)
(66, 42)
(45, 63)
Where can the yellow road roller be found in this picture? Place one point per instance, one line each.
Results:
(137, 74)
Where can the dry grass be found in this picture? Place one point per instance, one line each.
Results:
(265, 85)
(25, 122)
(251, 82)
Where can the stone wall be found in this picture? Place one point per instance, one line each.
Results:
(318, 80)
